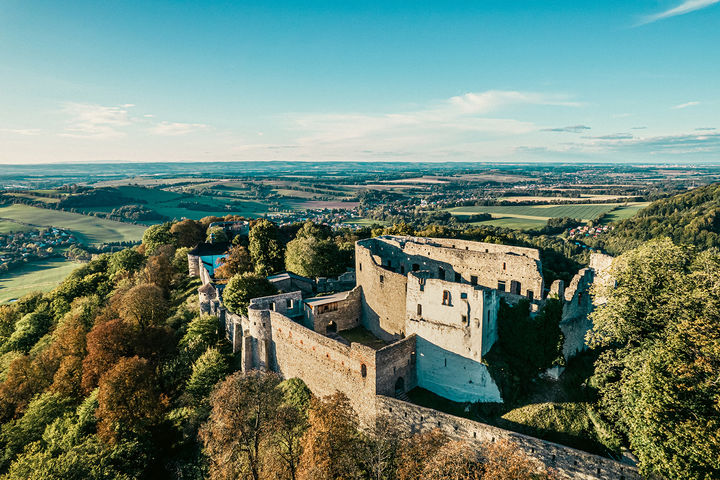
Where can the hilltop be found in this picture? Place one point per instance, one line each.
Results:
(691, 218)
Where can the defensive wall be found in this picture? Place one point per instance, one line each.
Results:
(569, 463)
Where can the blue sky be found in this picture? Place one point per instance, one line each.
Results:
(406, 80)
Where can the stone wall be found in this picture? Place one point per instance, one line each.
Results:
(383, 296)
(396, 367)
(569, 463)
(576, 308)
(324, 364)
(458, 317)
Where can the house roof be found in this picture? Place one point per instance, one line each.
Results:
(202, 249)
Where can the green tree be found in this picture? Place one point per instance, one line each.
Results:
(313, 253)
(128, 260)
(659, 336)
(216, 235)
(265, 248)
(207, 370)
(244, 287)
(202, 333)
(157, 235)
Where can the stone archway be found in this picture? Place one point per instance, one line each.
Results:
(399, 386)
(331, 327)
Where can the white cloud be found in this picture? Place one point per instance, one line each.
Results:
(95, 121)
(448, 120)
(21, 131)
(176, 128)
(685, 7)
(685, 105)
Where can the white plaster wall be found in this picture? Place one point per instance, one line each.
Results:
(452, 376)
(443, 324)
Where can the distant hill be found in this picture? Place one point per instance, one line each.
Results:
(690, 218)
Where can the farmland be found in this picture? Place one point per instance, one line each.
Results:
(89, 230)
(40, 276)
(532, 216)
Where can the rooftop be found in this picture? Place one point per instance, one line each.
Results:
(335, 297)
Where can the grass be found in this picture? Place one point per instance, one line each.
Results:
(513, 222)
(41, 276)
(362, 336)
(566, 423)
(532, 216)
(624, 212)
(368, 222)
(89, 230)
(7, 226)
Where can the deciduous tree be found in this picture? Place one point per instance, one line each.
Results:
(244, 410)
(265, 248)
(244, 287)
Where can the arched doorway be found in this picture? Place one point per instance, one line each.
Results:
(399, 386)
(331, 327)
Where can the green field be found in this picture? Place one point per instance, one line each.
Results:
(39, 276)
(534, 216)
(624, 212)
(89, 230)
(514, 223)
(7, 226)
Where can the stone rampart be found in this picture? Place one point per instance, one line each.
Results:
(324, 364)
(568, 462)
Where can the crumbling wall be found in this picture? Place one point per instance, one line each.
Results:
(601, 264)
(569, 463)
(576, 308)
(288, 304)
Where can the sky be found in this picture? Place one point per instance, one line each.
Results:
(346, 80)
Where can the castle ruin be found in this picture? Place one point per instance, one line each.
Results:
(423, 313)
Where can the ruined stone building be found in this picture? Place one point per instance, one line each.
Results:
(423, 313)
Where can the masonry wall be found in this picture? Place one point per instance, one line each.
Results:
(576, 309)
(289, 304)
(324, 364)
(396, 367)
(383, 296)
(569, 463)
(347, 315)
(457, 317)
(460, 261)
